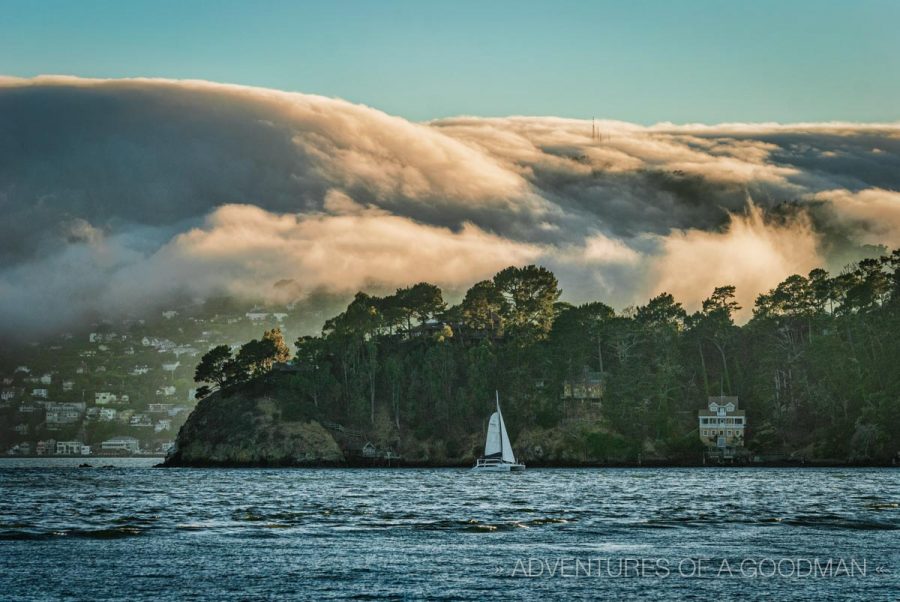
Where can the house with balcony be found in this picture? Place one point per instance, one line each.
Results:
(121, 445)
(45, 447)
(69, 448)
(59, 415)
(722, 425)
(586, 385)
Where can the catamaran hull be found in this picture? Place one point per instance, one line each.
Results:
(498, 467)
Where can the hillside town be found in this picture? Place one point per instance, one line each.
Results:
(122, 388)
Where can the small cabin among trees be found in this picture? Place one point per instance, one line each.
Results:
(587, 386)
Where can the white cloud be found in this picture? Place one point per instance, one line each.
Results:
(135, 190)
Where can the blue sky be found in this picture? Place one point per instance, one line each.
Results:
(641, 60)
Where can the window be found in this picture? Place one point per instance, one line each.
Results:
(739, 421)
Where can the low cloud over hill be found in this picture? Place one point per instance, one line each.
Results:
(118, 195)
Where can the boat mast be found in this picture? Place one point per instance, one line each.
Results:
(500, 421)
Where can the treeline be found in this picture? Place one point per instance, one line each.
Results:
(815, 367)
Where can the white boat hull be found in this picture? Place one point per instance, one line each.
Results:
(482, 465)
(498, 453)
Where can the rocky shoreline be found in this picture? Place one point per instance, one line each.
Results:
(254, 428)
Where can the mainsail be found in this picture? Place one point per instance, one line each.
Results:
(497, 444)
(493, 447)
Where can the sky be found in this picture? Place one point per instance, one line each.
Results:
(124, 196)
(152, 153)
(641, 61)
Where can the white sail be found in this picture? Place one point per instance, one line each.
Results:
(492, 444)
(498, 453)
(508, 455)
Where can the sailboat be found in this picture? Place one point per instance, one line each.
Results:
(498, 453)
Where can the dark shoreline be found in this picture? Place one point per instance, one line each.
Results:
(542, 465)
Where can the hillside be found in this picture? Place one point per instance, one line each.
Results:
(813, 373)
(248, 427)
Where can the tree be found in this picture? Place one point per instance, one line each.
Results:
(255, 358)
(422, 301)
(721, 304)
(529, 295)
(212, 366)
(662, 310)
(282, 351)
(482, 307)
(314, 366)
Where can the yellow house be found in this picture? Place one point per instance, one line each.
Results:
(722, 424)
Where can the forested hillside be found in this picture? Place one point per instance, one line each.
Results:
(815, 368)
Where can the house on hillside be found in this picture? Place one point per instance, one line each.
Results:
(103, 398)
(69, 448)
(45, 447)
(721, 426)
(59, 415)
(586, 386)
(121, 444)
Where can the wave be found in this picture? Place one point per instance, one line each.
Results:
(106, 533)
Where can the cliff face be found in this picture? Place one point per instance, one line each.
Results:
(244, 428)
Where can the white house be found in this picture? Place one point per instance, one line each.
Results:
(163, 424)
(103, 398)
(68, 385)
(169, 314)
(120, 444)
(61, 414)
(166, 391)
(42, 393)
(140, 420)
(171, 366)
(107, 414)
(69, 448)
(722, 424)
(46, 379)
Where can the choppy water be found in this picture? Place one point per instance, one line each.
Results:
(134, 532)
